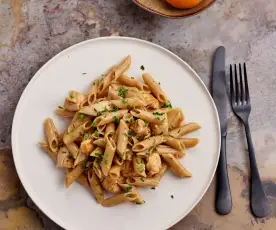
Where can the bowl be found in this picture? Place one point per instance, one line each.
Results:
(161, 7)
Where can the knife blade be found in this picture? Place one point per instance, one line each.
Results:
(219, 92)
(219, 88)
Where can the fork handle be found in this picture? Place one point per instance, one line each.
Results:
(258, 200)
(223, 194)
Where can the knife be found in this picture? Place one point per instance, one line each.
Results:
(219, 91)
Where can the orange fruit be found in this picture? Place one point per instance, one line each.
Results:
(183, 4)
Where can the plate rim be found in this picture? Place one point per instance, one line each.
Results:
(15, 152)
(172, 16)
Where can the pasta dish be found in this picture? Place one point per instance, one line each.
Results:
(124, 134)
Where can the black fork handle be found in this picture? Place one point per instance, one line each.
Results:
(223, 194)
(258, 200)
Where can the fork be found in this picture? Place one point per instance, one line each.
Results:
(241, 106)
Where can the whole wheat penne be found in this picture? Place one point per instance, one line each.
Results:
(187, 128)
(177, 168)
(189, 142)
(122, 67)
(128, 81)
(95, 186)
(51, 134)
(92, 94)
(118, 199)
(149, 143)
(64, 113)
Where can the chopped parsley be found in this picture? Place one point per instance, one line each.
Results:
(87, 137)
(167, 106)
(157, 114)
(122, 92)
(119, 158)
(153, 188)
(61, 107)
(172, 196)
(64, 152)
(102, 74)
(125, 101)
(131, 120)
(71, 96)
(116, 120)
(94, 124)
(131, 133)
(142, 67)
(84, 165)
(142, 179)
(148, 154)
(83, 73)
(99, 155)
(99, 113)
(97, 134)
(105, 161)
(98, 162)
(81, 116)
(138, 203)
(132, 77)
(114, 109)
(128, 195)
(128, 188)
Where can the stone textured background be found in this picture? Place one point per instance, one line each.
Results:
(33, 31)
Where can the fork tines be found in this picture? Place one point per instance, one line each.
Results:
(239, 85)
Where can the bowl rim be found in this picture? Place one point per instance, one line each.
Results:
(170, 16)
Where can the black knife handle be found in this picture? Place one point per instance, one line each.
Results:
(223, 194)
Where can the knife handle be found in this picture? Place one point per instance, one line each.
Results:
(223, 194)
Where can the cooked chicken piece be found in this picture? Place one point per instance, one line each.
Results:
(140, 128)
(154, 164)
(160, 129)
(139, 166)
(151, 101)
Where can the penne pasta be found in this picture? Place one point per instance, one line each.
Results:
(175, 166)
(175, 118)
(149, 143)
(189, 142)
(151, 117)
(44, 145)
(51, 134)
(73, 175)
(108, 156)
(175, 143)
(188, 128)
(142, 182)
(122, 139)
(164, 149)
(64, 113)
(92, 94)
(155, 88)
(95, 186)
(123, 134)
(77, 132)
(118, 199)
(128, 81)
(122, 67)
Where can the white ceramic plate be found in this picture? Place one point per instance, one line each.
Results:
(75, 207)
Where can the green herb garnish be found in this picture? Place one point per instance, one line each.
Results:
(94, 124)
(87, 137)
(61, 107)
(81, 116)
(105, 161)
(98, 162)
(131, 133)
(153, 188)
(64, 152)
(122, 92)
(97, 134)
(83, 73)
(148, 154)
(132, 77)
(128, 188)
(142, 179)
(99, 113)
(167, 106)
(138, 203)
(116, 120)
(128, 195)
(114, 109)
(99, 155)
(131, 120)
(142, 67)
(84, 165)
(71, 96)
(158, 114)
(125, 101)
(119, 158)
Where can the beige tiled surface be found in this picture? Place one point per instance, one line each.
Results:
(32, 31)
